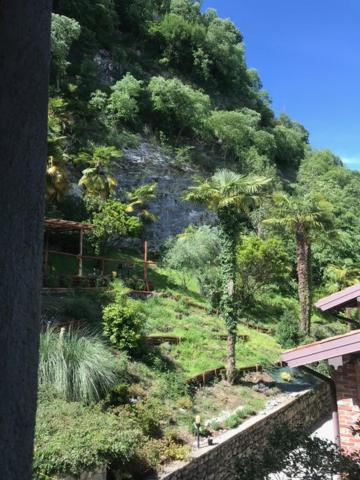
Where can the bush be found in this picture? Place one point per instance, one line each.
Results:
(77, 364)
(122, 319)
(91, 439)
(180, 108)
(118, 395)
(288, 332)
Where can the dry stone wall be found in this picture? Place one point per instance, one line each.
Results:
(216, 462)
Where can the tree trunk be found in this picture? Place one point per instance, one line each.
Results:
(231, 357)
(303, 273)
(227, 304)
(24, 66)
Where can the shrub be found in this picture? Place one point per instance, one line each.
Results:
(77, 364)
(91, 439)
(118, 395)
(122, 319)
(123, 101)
(288, 332)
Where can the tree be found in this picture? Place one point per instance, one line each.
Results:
(64, 31)
(56, 170)
(302, 215)
(196, 251)
(97, 178)
(123, 102)
(179, 107)
(112, 221)
(139, 198)
(260, 263)
(25, 56)
(231, 196)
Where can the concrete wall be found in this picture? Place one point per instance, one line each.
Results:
(347, 379)
(216, 463)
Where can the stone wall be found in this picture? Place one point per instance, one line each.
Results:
(347, 379)
(215, 463)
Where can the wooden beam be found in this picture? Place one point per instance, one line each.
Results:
(80, 253)
(146, 266)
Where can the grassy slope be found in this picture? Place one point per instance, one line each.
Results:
(201, 347)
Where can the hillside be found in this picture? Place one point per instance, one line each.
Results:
(159, 132)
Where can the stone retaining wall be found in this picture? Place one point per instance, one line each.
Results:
(216, 462)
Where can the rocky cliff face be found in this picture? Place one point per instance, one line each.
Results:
(145, 164)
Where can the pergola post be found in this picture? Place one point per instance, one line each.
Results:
(80, 273)
(146, 266)
(46, 253)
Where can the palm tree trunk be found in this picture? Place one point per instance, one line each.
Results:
(227, 304)
(25, 55)
(303, 273)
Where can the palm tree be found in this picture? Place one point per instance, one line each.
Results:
(57, 182)
(139, 199)
(231, 196)
(97, 178)
(302, 216)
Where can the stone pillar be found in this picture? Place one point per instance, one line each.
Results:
(347, 379)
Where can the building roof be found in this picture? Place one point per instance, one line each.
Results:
(323, 349)
(57, 224)
(339, 300)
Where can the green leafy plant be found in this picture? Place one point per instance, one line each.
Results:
(122, 319)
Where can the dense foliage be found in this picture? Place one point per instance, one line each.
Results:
(90, 440)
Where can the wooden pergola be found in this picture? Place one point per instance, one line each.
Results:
(59, 225)
(56, 225)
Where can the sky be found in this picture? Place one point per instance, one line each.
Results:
(307, 53)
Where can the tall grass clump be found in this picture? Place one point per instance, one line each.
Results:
(77, 364)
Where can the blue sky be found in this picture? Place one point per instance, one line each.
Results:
(307, 53)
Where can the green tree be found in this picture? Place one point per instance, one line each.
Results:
(231, 196)
(179, 108)
(112, 221)
(194, 252)
(291, 141)
(64, 31)
(122, 104)
(138, 201)
(302, 215)
(97, 179)
(57, 182)
(260, 263)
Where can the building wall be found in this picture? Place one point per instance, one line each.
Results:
(347, 379)
(216, 463)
